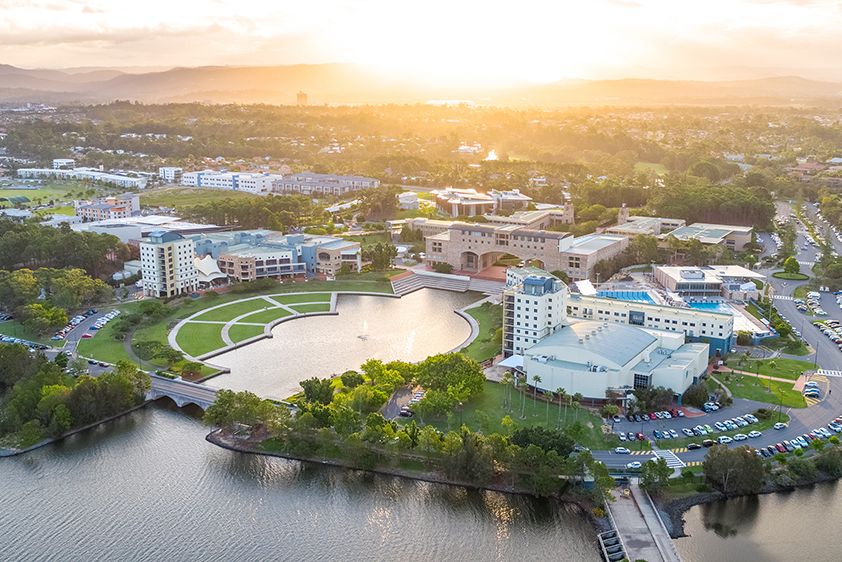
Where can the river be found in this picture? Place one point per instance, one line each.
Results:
(798, 525)
(411, 328)
(149, 487)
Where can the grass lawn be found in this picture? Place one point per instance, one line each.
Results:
(659, 169)
(198, 339)
(490, 318)
(309, 297)
(762, 425)
(233, 310)
(790, 345)
(366, 240)
(265, 316)
(753, 388)
(49, 190)
(15, 329)
(239, 333)
(801, 292)
(316, 307)
(186, 197)
(103, 346)
(790, 276)
(484, 413)
(784, 368)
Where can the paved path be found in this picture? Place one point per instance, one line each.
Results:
(642, 530)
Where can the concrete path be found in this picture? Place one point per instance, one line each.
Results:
(642, 530)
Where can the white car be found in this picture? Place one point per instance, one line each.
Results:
(780, 425)
(740, 437)
(634, 465)
(622, 451)
(724, 440)
(754, 434)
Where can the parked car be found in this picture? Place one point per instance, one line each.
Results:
(740, 437)
(780, 425)
(622, 451)
(693, 446)
(707, 443)
(724, 440)
(754, 434)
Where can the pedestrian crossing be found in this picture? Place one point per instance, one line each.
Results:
(807, 263)
(670, 458)
(826, 373)
(783, 298)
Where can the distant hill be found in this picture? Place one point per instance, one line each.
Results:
(353, 84)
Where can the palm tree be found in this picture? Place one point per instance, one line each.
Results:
(547, 398)
(507, 381)
(535, 380)
(560, 393)
(577, 401)
(772, 366)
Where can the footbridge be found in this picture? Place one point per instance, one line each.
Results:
(181, 392)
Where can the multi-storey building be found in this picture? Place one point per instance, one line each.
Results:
(463, 202)
(116, 207)
(472, 247)
(166, 264)
(91, 174)
(170, 174)
(63, 163)
(252, 254)
(319, 185)
(713, 328)
(234, 181)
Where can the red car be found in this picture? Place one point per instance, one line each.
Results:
(640, 437)
(780, 448)
(652, 416)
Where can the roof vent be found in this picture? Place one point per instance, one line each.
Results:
(581, 340)
(599, 329)
(587, 336)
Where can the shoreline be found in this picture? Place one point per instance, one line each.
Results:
(674, 509)
(12, 452)
(599, 524)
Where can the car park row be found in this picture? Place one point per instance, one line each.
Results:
(75, 321)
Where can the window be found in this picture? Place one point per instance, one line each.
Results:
(641, 381)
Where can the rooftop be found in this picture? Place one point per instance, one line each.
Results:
(708, 233)
(617, 343)
(593, 243)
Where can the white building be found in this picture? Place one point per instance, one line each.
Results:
(510, 200)
(63, 163)
(730, 281)
(538, 312)
(234, 181)
(318, 185)
(603, 361)
(408, 200)
(170, 174)
(90, 174)
(167, 265)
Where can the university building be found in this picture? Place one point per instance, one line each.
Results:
(166, 265)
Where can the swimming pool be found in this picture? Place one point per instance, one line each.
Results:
(712, 307)
(633, 296)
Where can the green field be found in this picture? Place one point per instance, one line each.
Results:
(103, 346)
(369, 239)
(784, 368)
(266, 316)
(15, 329)
(790, 276)
(485, 412)
(231, 311)
(51, 190)
(187, 197)
(198, 339)
(659, 169)
(753, 388)
(486, 345)
(307, 297)
(238, 332)
(308, 308)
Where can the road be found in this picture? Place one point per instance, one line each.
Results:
(802, 420)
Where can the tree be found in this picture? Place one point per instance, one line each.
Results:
(560, 395)
(232, 407)
(351, 379)
(791, 265)
(695, 395)
(43, 318)
(735, 471)
(439, 372)
(546, 439)
(535, 380)
(317, 390)
(655, 475)
(610, 410)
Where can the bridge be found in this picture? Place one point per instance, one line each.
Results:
(181, 392)
(641, 530)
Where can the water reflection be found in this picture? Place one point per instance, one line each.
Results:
(726, 519)
(410, 328)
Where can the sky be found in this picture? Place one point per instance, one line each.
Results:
(437, 41)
